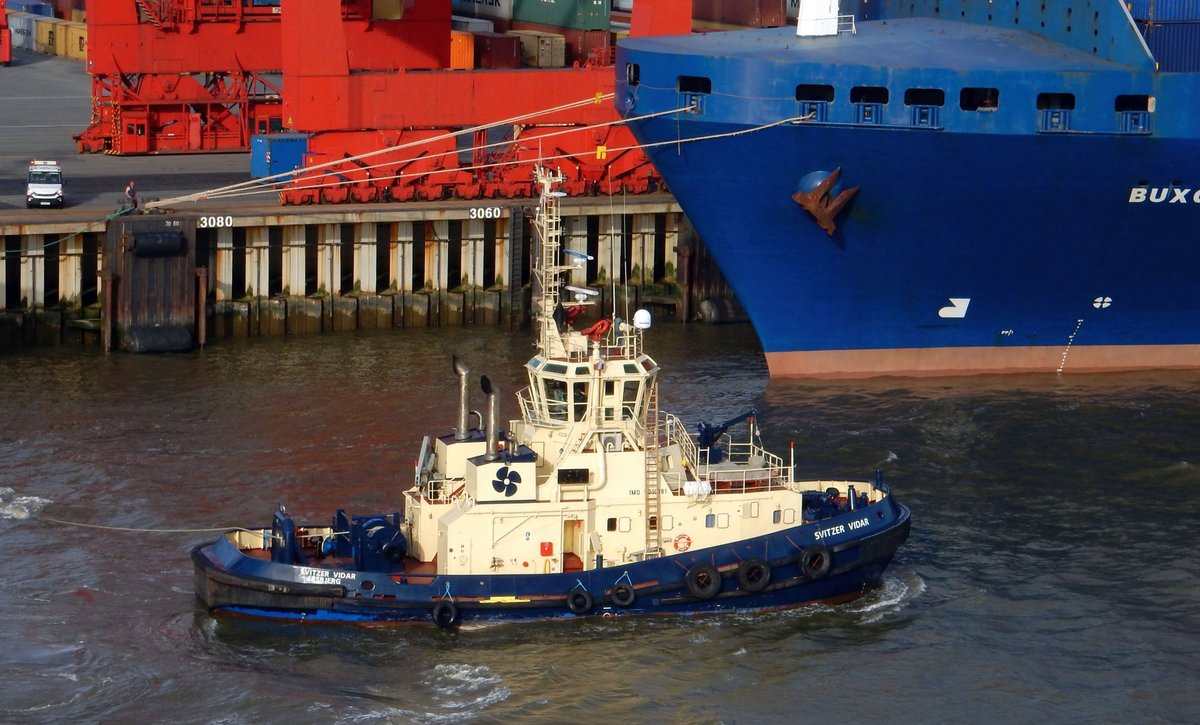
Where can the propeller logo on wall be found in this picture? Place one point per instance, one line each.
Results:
(506, 481)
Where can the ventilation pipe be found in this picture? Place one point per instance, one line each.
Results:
(460, 433)
(493, 424)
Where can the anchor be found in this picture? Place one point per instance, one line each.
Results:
(818, 203)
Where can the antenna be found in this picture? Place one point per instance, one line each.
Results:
(581, 293)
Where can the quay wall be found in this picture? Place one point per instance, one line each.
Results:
(294, 272)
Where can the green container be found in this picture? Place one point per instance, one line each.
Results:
(576, 14)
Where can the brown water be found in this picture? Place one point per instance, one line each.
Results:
(1051, 574)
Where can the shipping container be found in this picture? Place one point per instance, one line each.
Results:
(575, 14)
(76, 40)
(497, 50)
(33, 7)
(542, 50)
(741, 13)
(472, 25)
(24, 33)
(51, 36)
(462, 50)
(1162, 11)
(498, 9)
(580, 44)
(1175, 46)
(277, 153)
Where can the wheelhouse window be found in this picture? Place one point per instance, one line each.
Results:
(979, 99)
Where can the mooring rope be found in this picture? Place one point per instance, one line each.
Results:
(52, 520)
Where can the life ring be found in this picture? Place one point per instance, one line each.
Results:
(623, 594)
(703, 581)
(815, 562)
(597, 330)
(579, 601)
(445, 614)
(754, 575)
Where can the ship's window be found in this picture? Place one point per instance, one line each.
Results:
(632, 74)
(610, 387)
(1134, 103)
(582, 370)
(581, 401)
(789, 516)
(868, 94)
(612, 524)
(1056, 101)
(556, 399)
(534, 362)
(652, 523)
(572, 475)
(668, 523)
(776, 516)
(624, 524)
(979, 99)
(814, 92)
(924, 97)
(629, 399)
(710, 521)
(555, 368)
(722, 521)
(694, 84)
(631, 368)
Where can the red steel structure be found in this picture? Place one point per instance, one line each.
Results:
(5, 37)
(358, 77)
(186, 76)
(435, 124)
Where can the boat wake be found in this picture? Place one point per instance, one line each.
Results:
(13, 506)
(893, 595)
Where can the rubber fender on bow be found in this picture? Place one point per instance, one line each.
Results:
(579, 601)
(445, 614)
(754, 575)
(703, 581)
(623, 594)
(815, 562)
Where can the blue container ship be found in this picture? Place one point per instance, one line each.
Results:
(934, 188)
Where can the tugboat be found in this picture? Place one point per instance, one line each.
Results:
(592, 503)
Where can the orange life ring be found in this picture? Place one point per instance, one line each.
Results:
(595, 331)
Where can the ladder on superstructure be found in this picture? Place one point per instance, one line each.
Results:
(653, 497)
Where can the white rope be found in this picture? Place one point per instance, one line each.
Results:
(149, 531)
(255, 187)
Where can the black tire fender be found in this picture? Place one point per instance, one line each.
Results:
(754, 575)
(815, 562)
(703, 581)
(445, 614)
(579, 601)
(623, 594)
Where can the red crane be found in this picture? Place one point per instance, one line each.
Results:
(5, 37)
(425, 130)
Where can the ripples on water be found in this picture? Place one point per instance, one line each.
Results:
(1050, 576)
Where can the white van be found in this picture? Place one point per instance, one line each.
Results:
(44, 186)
